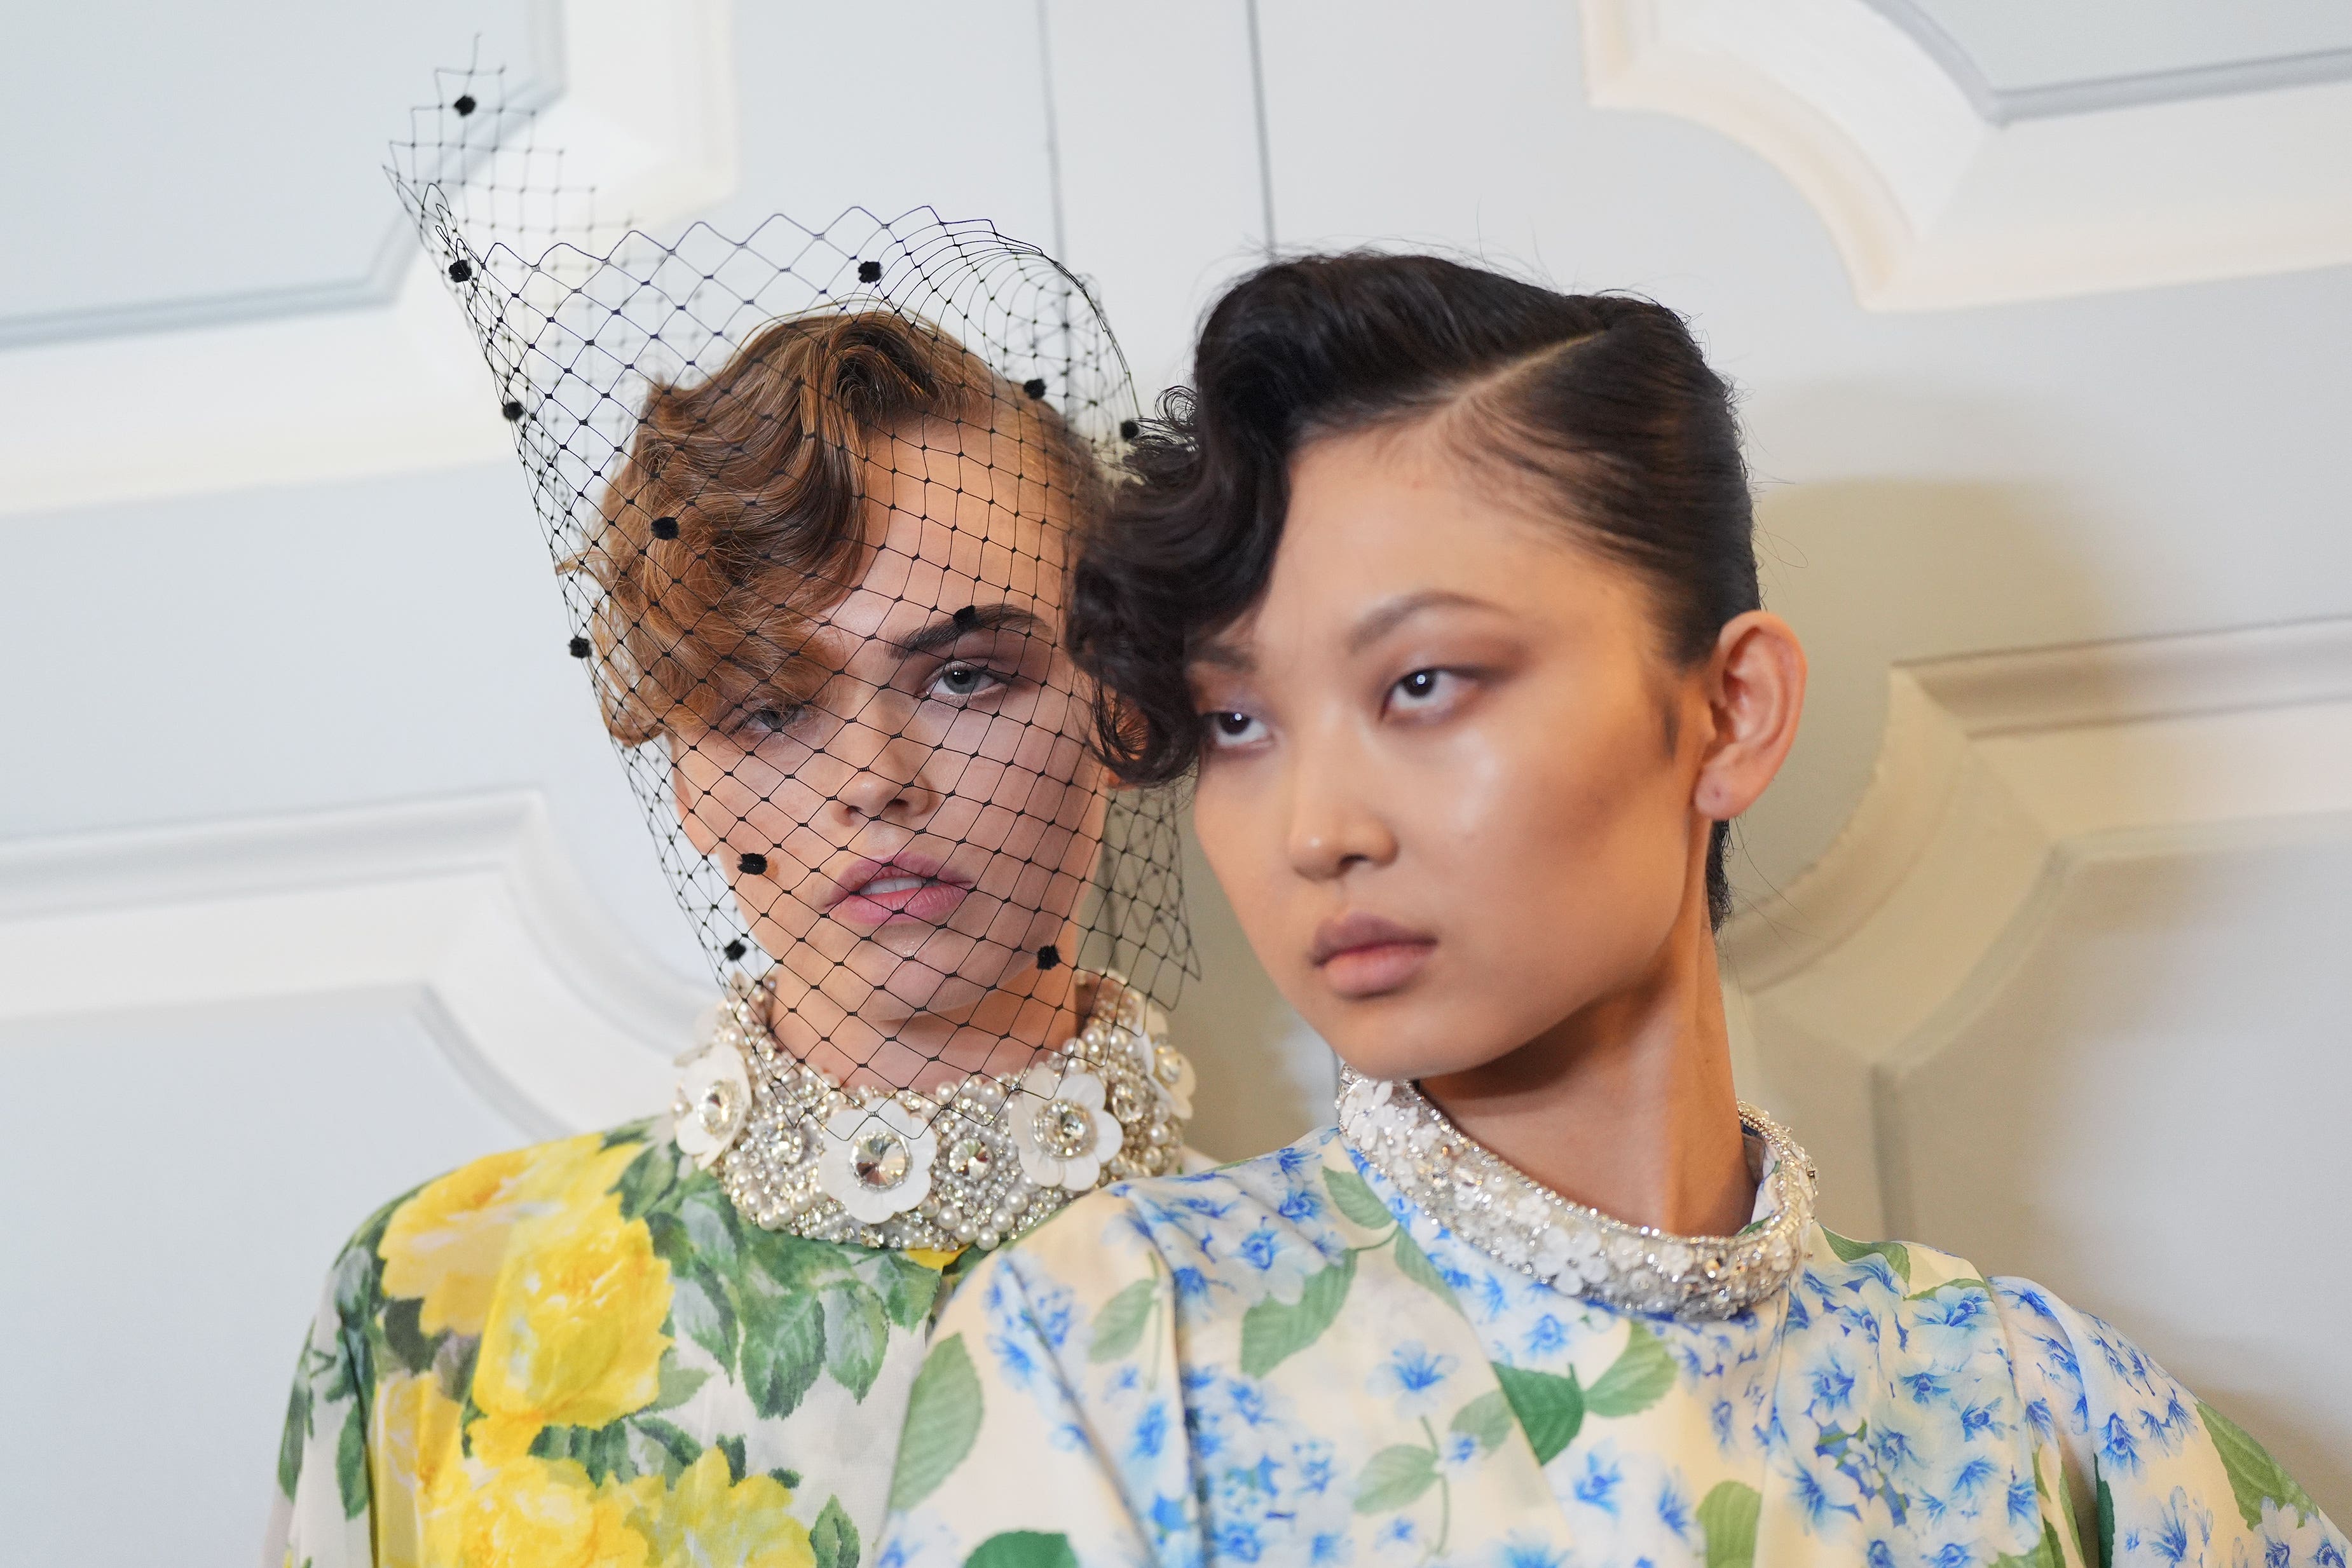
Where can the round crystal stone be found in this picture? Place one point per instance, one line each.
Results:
(720, 1104)
(1064, 1130)
(879, 1159)
(1124, 1102)
(970, 1156)
(1165, 1065)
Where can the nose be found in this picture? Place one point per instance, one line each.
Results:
(1334, 827)
(887, 771)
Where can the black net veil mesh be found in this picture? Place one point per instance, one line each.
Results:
(811, 494)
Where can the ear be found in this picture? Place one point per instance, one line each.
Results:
(1756, 690)
(682, 795)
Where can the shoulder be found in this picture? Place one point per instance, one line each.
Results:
(1207, 1234)
(442, 1244)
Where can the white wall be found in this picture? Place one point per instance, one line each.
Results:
(2057, 990)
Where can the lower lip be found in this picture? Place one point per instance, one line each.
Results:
(930, 905)
(1376, 969)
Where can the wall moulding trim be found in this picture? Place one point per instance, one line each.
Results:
(1932, 205)
(1994, 769)
(392, 385)
(469, 905)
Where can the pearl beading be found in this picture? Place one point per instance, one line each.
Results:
(973, 1165)
(1576, 1250)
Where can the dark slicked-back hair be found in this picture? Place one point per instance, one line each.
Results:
(1597, 409)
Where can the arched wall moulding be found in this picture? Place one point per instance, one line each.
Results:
(1999, 774)
(1938, 194)
(646, 115)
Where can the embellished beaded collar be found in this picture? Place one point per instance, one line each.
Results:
(1578, 1250)
(974, 1165)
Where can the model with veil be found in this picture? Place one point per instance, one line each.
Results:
(812, 494)
(1440, 586)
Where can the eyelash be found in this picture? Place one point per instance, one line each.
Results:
(963, 667)
(1220, 739)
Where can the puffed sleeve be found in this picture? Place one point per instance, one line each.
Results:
(2159, 1478)
(321, 1514)
(1046, 1429)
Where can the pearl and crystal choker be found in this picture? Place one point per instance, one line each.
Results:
(1578, 1250)
(973, 1165)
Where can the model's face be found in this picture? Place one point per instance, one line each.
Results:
(1446, 781)
(923, 796)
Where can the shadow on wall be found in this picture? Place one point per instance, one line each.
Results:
(1872, 574)
(1265, 1076)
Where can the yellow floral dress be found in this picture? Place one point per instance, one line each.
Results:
(578, 1353)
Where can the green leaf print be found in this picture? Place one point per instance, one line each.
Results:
(661, 1446)
(1639, 1377)
(2107, 1522)
(1727, 1516)
(1273, 1332)
(1550, 1407)
(2045, 1554)
(1119, 1326)
(708, 1216)
(295, 1437)
(1485, 1419)
(783, 1347)
(942, 1418)
(2255, 1478)
(856, 1336)
(1357, 1200)
(1897, 1256)
(730, 1448)
(1022, 1548)
(834, 1537)
(679, 1383)
(1966, 1281)
(1415, 1265)
(700, 1310)
(1394, 1477)
(646, 1180)
(351, 1463)
(908, 1289)
(404, 1339)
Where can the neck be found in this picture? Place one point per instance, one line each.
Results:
(1000, 1034)
(1627, 1106)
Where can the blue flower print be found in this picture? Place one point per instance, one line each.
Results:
(1412, 1376)
(2117, 1450)
(1546, 1336)
(1675, 1509)
(1524, 1554)
(1274, 1266)
(2025, 1507)
(1602, 1478)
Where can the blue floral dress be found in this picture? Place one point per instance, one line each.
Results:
(1290, 1360)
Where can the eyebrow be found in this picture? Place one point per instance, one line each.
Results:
(949, 630)
(1385, 619)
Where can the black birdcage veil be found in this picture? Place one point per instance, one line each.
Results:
(811, 494)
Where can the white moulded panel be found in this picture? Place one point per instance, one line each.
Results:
(1932, 205)
(647, 115)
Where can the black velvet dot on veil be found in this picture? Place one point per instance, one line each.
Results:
(1034, 386)
(870, 272)
(754, 864)
(465, 104)
(1048, 955)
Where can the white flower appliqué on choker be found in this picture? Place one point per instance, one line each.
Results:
(1575, 1250)
(975, 1163)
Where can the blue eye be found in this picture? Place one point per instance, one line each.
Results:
(966, 680)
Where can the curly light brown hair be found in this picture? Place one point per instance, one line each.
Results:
(738, 513)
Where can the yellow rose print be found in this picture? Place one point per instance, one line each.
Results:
(412, 1438)
(574, 1336)
(532, 1513)
(708, 1520)
(446, 1244)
